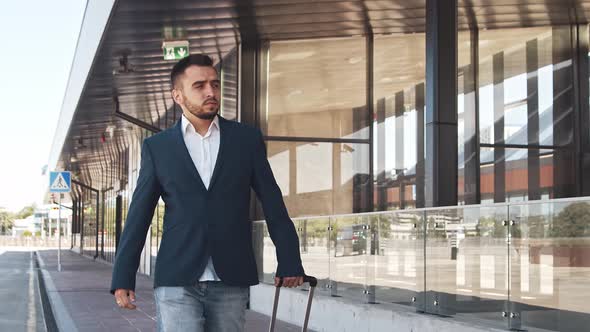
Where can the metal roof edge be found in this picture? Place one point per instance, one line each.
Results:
(97, 15)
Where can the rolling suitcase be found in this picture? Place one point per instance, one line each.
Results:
(313, 282)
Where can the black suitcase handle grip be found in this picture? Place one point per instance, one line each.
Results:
(311, 280)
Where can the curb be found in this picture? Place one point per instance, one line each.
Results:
(57, 317)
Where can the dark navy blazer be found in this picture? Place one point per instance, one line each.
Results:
(201, 223)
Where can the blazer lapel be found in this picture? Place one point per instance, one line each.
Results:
(184, 154)
(224, 133)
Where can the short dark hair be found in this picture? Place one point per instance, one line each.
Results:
(202, 60)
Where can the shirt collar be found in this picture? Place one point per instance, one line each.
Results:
(185, 123)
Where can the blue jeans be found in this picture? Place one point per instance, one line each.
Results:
(210, 306)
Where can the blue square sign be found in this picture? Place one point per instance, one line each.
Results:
(60, 182)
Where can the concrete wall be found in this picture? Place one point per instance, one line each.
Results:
(341, 315)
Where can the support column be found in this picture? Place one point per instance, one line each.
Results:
(441, 130)
(441, 103)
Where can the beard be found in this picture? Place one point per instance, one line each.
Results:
(203, 112)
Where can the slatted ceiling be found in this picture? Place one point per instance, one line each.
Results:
(510, 13)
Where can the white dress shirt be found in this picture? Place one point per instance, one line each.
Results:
(203, 151)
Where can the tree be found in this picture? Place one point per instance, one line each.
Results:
(6, 221)
(26, 211)
(573, 221)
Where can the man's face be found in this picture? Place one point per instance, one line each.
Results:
(198, 92)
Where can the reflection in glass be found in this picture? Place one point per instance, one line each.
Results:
(549, 250)
(265, 254)
(398, 257)
(398, 127)
(314, 248)
(519, 174)
(89, 223)
(466, 262)
(320, 178)
(229, 85)
(516, 85)
(349, 249)
(156, 234)
(466, 123)
(316, 88)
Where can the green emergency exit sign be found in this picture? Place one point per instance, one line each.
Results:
(175, 50)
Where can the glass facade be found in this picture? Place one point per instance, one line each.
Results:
(515, 123)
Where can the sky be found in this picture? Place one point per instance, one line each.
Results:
(38, 44)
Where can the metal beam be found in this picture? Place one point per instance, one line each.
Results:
(133, 120)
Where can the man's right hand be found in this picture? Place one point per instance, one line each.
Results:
(124, 298)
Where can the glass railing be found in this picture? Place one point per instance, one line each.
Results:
(515, 265)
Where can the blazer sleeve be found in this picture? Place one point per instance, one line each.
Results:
(280, 226)
(139, 217)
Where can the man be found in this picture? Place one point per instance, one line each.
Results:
(203, 168)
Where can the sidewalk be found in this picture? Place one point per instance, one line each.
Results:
(80, 298)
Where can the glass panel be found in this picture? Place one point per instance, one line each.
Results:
(314, 248)
(317, 88)
(398, 255)
(467, 263)
(110, 224)
(550, 266)
(90, 223)
(525, 86)
(229, 85)
(519, 174)
(466, 123)
(156, 229)
(398, 127)
(313, 245)
(265, 250)
(321, 178)
(348, 256)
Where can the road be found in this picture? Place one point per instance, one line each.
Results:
(20, 302)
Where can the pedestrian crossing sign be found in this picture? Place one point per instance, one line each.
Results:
(60, 182)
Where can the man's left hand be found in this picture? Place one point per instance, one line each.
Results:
(289, 281)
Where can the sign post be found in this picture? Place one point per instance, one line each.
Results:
(59, 182)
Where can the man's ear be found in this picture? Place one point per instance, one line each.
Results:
(177, 96)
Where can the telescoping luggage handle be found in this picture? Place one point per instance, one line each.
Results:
(313, 282)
